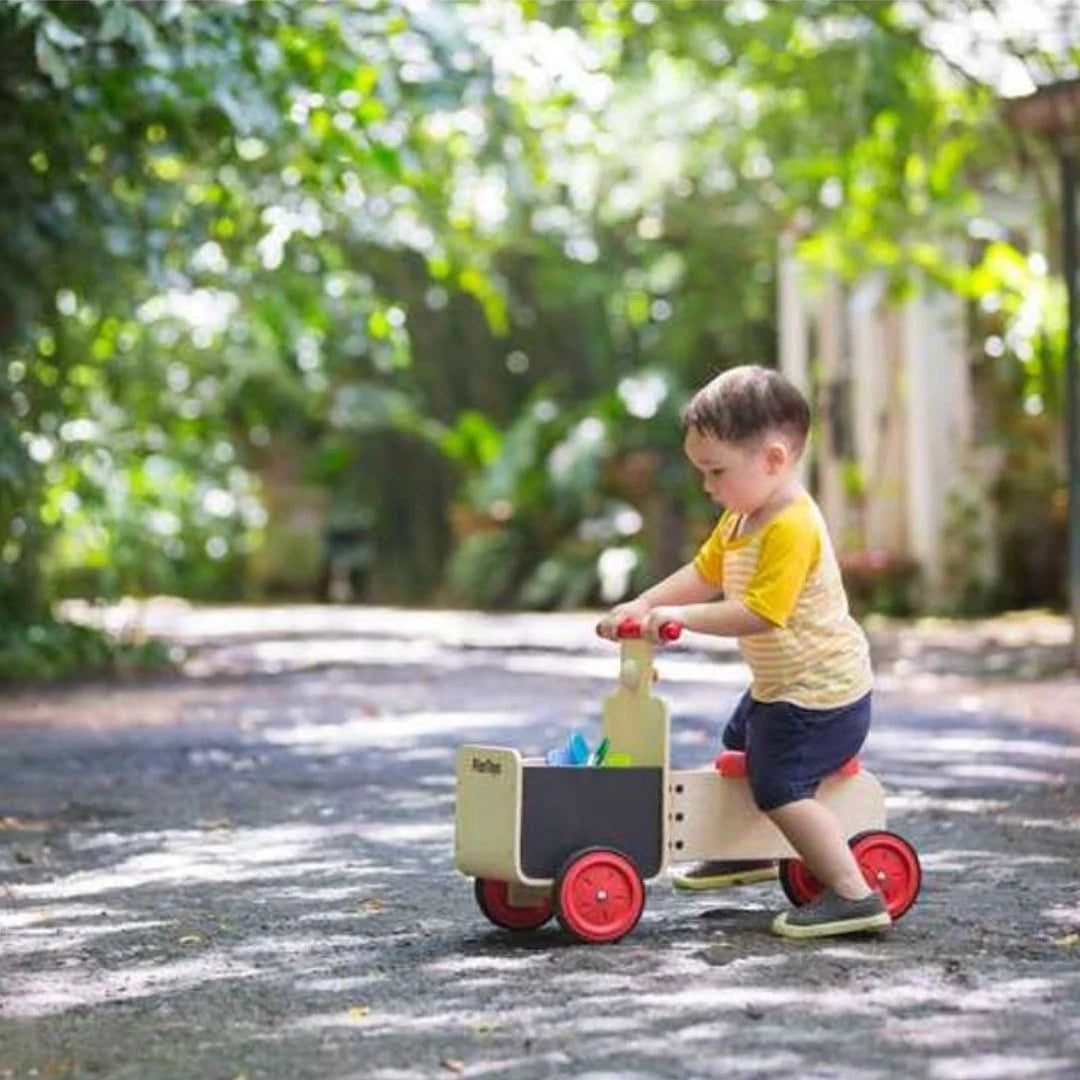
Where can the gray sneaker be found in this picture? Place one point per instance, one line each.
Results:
(722, 873)
(831, 914)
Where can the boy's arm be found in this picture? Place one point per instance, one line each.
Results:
(790, 549)
(725, 618)
(684, 587)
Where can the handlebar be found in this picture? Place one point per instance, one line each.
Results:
(631, 628)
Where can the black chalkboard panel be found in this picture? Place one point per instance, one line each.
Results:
(566, 808)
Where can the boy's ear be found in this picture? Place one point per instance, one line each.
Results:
(777, 454)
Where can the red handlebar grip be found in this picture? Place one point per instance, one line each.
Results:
(631, 628)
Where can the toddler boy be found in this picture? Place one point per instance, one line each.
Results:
(768, 576)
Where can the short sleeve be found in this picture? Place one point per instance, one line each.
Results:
(709, 561)
(790, 549)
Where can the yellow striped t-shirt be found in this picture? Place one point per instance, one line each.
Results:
(816, 656)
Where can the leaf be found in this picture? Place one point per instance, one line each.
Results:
(51, 62)
(61, 35)
(191, 939)
(23, 824)
(216, 824)
(386, 159)
(1068, 941)
(358, 1012)
(453, 1065)
(115, 23)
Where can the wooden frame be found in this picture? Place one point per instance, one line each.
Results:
(690, 814)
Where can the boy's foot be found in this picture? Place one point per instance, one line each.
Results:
(831, 914)
(720, 874)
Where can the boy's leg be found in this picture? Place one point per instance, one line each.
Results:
(792, 750)
(724, 873)
(848, 905)
(814, 832)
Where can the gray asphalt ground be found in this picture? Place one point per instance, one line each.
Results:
(248, 873)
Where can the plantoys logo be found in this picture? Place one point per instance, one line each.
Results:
(486, 765)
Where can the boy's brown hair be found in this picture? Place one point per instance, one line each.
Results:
(746, 402)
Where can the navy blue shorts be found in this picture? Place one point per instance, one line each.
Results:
(789, 749)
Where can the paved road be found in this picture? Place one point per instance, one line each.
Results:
(249, 874)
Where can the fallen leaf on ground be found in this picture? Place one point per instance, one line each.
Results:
(215, 824)
(483, 1025)
(358, 1012)
(453, 1065)
(1067, 940)
(24, 824)
(371, 907)
(191, 939)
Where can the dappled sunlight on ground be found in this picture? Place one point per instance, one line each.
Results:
(278, 867)
(45, 993)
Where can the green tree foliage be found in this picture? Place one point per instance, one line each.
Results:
(198, 200)
(451, 265)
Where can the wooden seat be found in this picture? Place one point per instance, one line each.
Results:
(733, 763)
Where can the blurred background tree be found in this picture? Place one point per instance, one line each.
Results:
(398, 302)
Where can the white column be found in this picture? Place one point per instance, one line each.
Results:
(830, 468)
(793, 328)
(924, 479)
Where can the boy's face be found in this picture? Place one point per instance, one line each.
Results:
(739, 476)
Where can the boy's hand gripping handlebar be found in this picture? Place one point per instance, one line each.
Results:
(631, 628)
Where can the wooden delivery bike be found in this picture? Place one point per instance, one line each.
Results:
(579, 843)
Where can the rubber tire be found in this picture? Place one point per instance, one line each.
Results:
(491, 897)
(614, 865)
(879, 851)
(799, 885)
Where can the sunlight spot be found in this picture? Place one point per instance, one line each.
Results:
(961, 860)
(195, 856)
(389, 730)
(1071, 824)
(1001, 773)
(407, 833)
(43, 994)
(1068, 915)
(920, 801)
(514, 962)
(998, 1067)
(346, 984)
(935, 1032)
(60, 939)
(313, 948)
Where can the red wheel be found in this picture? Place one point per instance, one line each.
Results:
(890, 865)
(599, 895)
(799, 884)
(494, 900)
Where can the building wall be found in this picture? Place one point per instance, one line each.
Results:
(904, 375)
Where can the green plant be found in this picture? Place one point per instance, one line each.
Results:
(47, 650)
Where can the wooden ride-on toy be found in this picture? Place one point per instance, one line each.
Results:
(578, 843)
